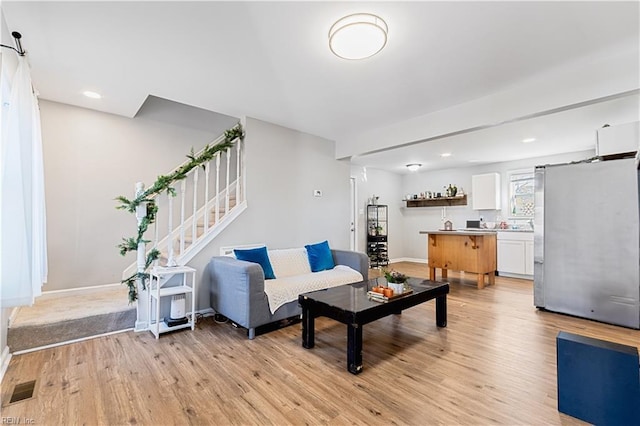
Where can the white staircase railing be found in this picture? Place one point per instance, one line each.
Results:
(207, 200)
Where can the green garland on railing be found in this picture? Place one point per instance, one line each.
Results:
(164, 184)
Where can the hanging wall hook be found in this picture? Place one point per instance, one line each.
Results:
(17, 36)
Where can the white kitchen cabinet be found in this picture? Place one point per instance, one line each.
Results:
(515, 253)
(485, 191)
(511, 256)
(528, 257)
(618, 139)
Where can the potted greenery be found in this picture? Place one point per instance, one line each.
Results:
(395, 280)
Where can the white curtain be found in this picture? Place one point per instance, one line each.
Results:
(23, 255)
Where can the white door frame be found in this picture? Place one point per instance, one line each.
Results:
(353, 226)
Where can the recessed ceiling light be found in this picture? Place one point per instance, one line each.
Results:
(413, 166)
(92, 95)
(445, 154)
(358, 36)
(528, 140)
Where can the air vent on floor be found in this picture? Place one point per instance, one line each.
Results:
(23, 391)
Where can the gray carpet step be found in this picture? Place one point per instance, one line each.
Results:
(70, 315)
(34, 336)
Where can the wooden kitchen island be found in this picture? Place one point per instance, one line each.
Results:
(468, 251)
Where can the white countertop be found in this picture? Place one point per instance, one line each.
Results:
(475, 231)
(460, 232)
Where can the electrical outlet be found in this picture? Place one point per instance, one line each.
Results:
(317, 193)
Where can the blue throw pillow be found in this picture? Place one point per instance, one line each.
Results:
(257, 255)
(320, 258)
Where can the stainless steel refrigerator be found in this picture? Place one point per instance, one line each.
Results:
(587, 240)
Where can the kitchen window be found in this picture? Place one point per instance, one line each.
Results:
(521, 193)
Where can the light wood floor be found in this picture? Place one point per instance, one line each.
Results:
(495, 363)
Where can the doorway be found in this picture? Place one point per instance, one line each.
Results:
(353, 226)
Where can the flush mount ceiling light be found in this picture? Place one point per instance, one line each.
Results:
(358, 36)
(445, 154)
(528, 140)
(92, 95)
(413, 166)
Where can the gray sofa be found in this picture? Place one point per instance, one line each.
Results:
(237, 289)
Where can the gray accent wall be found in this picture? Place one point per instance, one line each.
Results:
(284, 167)
(91, 157)
(182, 115)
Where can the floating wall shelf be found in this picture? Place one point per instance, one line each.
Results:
(438, 202)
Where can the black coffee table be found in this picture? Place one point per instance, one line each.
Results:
(350, 305)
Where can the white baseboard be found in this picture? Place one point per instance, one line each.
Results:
(408, 259)
(6, 357)
(80, 289)
(522, 277)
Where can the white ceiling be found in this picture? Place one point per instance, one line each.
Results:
(271, 61)
(568, 131)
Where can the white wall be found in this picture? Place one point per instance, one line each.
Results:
(387, 186)
(416, 219)
(283, 168)
(405, 241)
(90, 158)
